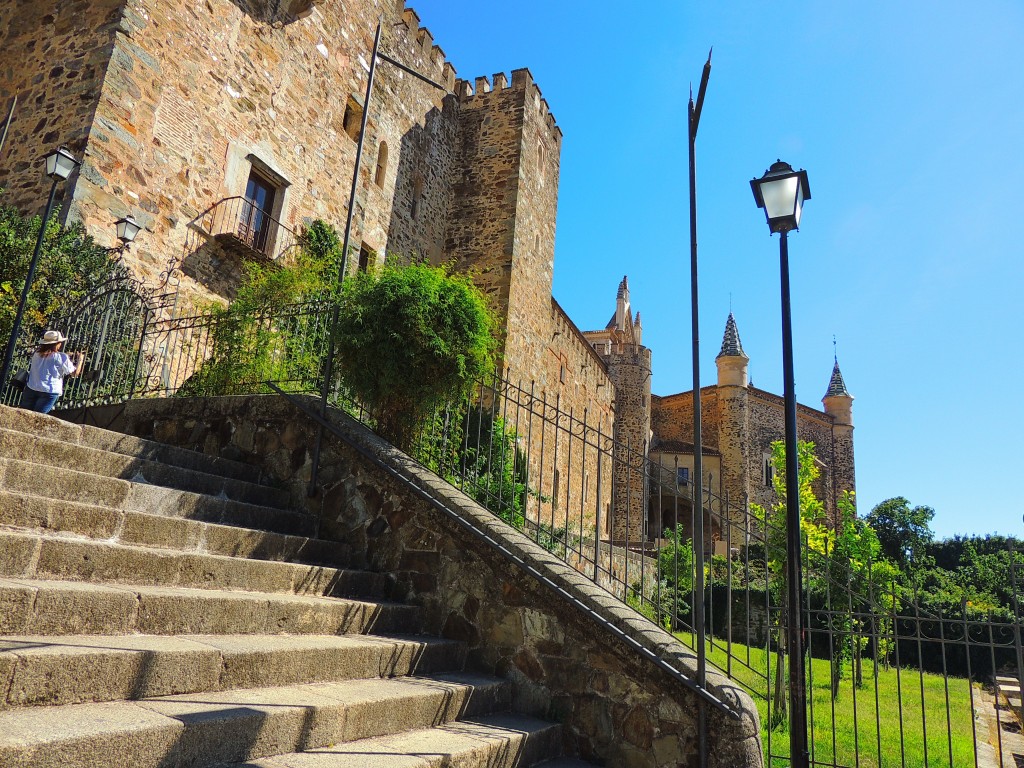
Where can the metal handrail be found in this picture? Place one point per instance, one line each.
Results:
(485, 537)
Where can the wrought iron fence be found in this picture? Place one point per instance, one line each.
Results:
(891, 681)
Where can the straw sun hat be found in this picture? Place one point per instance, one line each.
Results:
(53, 337)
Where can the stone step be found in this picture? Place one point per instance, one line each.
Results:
(40, 425)
(43, 450)
(495, 741)
(213, 728)
(37, 513)
(32, 555)
(21, 477)
(34, 607)
(565, 762)
(37, 670)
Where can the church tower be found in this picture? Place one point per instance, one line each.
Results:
(734, 409)
(838, 404)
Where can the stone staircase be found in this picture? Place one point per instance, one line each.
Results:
(160, 607)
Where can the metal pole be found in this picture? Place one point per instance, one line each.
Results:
(7, 123)
(798, 747)
(329, 362)
(693, 119)
(23, 301)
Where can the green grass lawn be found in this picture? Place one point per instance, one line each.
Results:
(866, 727)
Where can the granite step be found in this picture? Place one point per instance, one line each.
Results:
(43, 425)
(40, 670)
(20, 511)
(22, 477)
(35, 607)
(495, 741)
(33, 555)
(44, 450)
(212, 728)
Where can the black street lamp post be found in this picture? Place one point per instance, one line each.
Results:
(693, 120)
(59, 166)
(782, 192)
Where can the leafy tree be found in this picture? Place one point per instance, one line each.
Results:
(409, 339)
(70, 266)
(903, 532)
(773, 524)
(668, 599)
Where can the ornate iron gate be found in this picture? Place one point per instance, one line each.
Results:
(110, 326)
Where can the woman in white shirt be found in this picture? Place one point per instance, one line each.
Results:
(47, 371)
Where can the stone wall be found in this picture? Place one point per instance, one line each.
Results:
(188, 97)
(672, 417)
(564, 660)
(734, 444)
(53, 56)
(767, 424)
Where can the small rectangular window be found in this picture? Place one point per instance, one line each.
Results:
(683, 475)
(366, 257)
(769, 471)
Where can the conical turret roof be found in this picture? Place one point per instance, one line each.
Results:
(836, 385)
(731, 346)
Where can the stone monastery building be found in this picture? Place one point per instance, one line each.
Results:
(225, 127)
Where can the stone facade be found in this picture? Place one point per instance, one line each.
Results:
(594, 665)
(739, 424)
(177, 105)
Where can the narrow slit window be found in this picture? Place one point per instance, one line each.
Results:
(417, 193)
(382, 164)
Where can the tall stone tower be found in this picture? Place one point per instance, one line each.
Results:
(734, 413)
(502, 224)
(838, 404)
(629, 368)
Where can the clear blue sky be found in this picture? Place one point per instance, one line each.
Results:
(909, 119)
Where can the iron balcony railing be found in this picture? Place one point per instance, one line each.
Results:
(240, 220)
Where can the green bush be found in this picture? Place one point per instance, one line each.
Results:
(409, 339)
(71, 265)
(276, 329)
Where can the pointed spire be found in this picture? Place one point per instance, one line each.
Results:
(623, 288)
(731, 346)
(836, 386)
(637, 321)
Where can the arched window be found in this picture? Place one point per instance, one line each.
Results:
(382, 164)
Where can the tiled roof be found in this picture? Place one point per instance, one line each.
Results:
(731, 346)
(836, 385)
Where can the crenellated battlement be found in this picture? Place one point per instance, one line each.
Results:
(483, 87)
(420, 42)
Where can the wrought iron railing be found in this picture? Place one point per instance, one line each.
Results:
(242, 221)
(890, 682)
